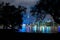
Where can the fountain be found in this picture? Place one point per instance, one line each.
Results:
(27, 18)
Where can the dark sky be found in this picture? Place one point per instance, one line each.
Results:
(21, 2)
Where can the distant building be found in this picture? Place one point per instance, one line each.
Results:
(48, 18)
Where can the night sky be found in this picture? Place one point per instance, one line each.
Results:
(21, 2)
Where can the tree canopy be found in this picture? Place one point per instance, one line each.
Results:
(49, 6)
(10, 15)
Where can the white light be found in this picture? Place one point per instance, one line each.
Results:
(49, 20)
(35, 28)
(23, 24)
(42, 28)
(28, 16)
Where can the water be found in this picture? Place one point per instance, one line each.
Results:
(45, 29)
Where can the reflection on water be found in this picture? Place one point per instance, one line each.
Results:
(38, 29)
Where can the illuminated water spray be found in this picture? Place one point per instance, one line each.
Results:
(27, 17)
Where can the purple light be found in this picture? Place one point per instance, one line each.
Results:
(58, 28)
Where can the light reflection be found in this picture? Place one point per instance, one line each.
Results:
(23, 28)
(58, 28)
(37, 29)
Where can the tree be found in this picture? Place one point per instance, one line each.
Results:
(50, 6)
(1, 13)
(11, 16)
(39, 14)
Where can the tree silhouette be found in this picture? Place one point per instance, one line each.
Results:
(38, 13)
(50, 6)
(1, 13)
(11, 16)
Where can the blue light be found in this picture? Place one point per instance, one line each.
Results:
(19, 30)
(47, 30)
(23, 28)
(58, 28)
